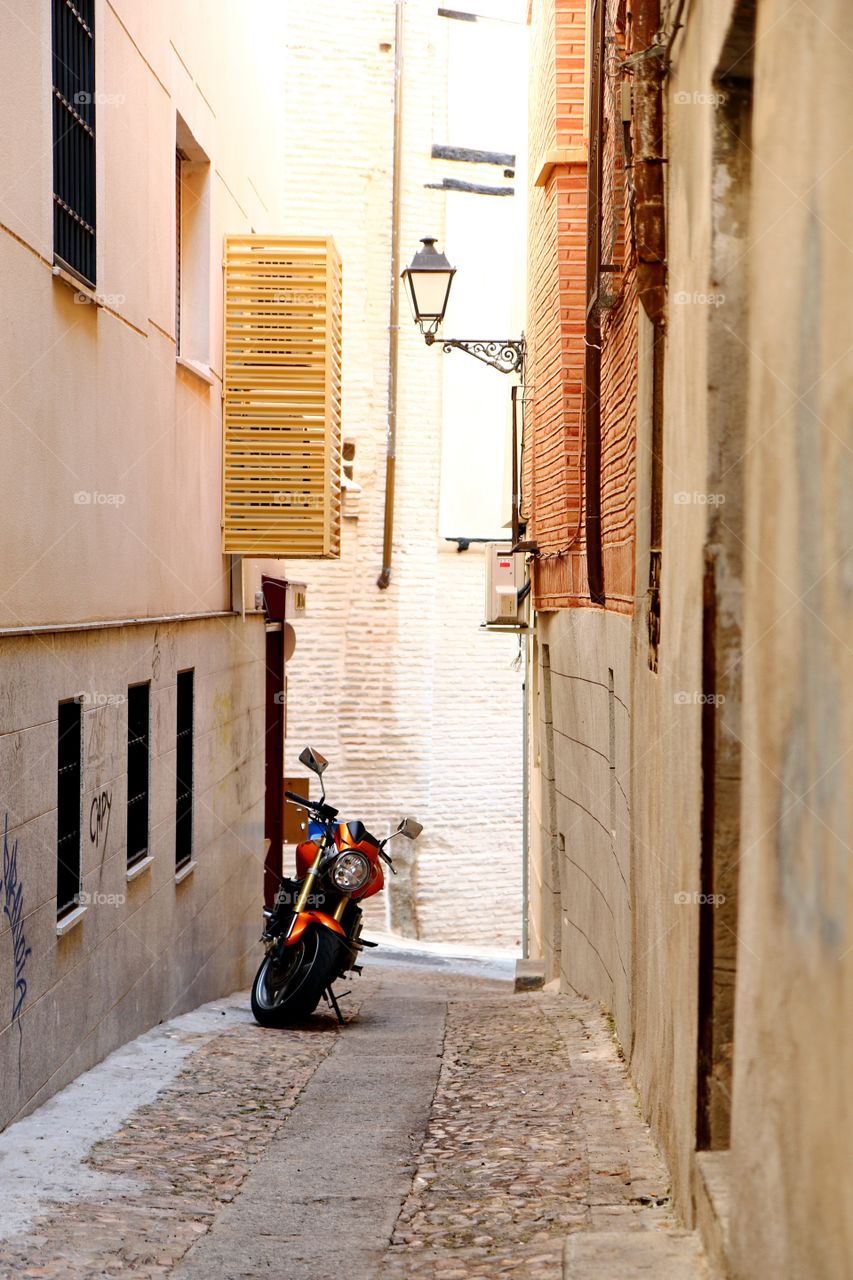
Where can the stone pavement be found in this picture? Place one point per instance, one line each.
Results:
(452, 1129)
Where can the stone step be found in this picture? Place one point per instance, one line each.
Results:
(634, 1255)
(529, 975)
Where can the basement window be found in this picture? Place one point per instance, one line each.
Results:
(184, 770)
(69, 797)
(138, 770)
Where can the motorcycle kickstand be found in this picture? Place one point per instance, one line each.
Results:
(330, 996)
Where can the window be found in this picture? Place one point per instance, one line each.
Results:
(74, 137)
(138, 753)
(179, 160)
(192, 249)
(68, 802)
(282, 397)
(184, 771)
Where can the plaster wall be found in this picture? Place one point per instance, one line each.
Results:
(149, 947)
(110, 510)
(792, 1129)
(111, 487)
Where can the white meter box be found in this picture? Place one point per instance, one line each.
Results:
(504, 580)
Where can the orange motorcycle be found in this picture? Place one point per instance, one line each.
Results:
(312, 935)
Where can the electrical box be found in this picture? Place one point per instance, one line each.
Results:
(504, 580)
(295, 600)
(295, 819)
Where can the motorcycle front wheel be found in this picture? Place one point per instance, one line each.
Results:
(291, 980)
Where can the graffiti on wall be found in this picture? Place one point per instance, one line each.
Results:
(99, 817)
(13, 909)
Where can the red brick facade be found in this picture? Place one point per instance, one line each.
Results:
(553, 463)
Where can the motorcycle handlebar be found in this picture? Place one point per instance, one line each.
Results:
(323, 812)
(300, 800)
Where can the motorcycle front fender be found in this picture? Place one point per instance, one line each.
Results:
(302, 921)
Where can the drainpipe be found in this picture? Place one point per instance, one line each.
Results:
(649, 209)
(525, 818)
(384, 579)
(592, 332)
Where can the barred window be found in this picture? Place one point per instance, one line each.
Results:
(68, 803)
(138, 756)
(74, 137)
(184, 771)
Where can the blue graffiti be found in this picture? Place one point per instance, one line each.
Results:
(13, 908)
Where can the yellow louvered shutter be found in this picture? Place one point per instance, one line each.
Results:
(282, 397)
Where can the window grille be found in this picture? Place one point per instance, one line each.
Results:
(184, 770)
(74, 215)
(138, 769)
(68, 803)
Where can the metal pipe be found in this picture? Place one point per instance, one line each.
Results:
(525, 818)
(384, 579)
(592, 334)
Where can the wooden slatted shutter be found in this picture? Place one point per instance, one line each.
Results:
(282, 397)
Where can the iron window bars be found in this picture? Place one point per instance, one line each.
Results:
(184, 771)
(68, 801)
(138, 768)
(74, 214)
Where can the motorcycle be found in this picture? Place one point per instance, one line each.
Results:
(312, 934)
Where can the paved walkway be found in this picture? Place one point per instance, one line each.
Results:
(452, 1129)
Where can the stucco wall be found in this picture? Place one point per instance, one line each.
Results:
(110, 492)
(745, 795)
(792, 1128)
(148, 948)
(110, 510)
(584, 656)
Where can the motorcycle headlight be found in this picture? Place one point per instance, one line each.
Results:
(351, 872)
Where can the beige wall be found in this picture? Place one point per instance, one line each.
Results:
(792, 1132)
(415, 708)
(149, 947)
(92, 403)
(756, 463)
(110, 510)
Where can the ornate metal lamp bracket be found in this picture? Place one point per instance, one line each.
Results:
(505, 355)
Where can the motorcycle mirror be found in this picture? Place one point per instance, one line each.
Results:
(410, 828)
(313, 761)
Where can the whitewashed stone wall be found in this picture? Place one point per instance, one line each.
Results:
(416, 709)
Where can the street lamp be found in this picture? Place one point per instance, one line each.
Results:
(428, 280)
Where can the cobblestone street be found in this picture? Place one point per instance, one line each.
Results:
(453, 1129)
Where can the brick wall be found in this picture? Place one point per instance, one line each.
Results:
(553, 453)
(553, 468)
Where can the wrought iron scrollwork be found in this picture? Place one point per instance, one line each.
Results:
(506, 355)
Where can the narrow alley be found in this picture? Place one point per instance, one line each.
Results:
(427, 519)
(491, 1125)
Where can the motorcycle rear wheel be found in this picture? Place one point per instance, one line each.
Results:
(288, 988)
